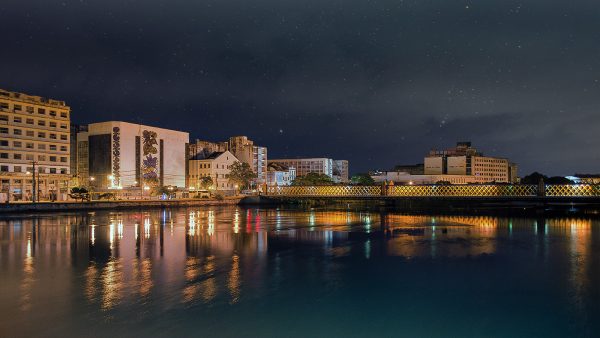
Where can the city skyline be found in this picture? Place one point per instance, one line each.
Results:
(377, 84)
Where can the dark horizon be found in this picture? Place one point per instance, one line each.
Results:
(378, 84)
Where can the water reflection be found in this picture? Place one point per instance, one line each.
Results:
(210, 256)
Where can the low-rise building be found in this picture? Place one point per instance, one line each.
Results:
(400, 177)
(216, 166)
(279, 175)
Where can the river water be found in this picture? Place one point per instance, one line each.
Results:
(246, 272)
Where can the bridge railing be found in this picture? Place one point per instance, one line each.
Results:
(327, 190)
(479, 190)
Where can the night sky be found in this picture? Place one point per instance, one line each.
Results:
(376, 82)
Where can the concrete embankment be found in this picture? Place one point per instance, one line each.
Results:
(104, 205)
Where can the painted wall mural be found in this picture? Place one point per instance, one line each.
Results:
(150, 160)
(116, 156)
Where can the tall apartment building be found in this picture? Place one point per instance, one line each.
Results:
(466, 160)
(34, 129)
(117, 155)
(241, 147)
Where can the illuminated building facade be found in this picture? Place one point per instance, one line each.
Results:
(278, 175)
(465, 160)
(216, 166)
(126, 155)
(241, 147)
(33, 129)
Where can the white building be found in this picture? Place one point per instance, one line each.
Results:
(278, 175)
(216, 166)
(123, 155)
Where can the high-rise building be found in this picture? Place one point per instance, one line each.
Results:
(74, 170)
(34, 132)
(466, 160)
(126, 155)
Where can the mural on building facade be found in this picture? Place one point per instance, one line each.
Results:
(116, 154)
(150, 161)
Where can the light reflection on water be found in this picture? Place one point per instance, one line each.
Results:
(384, 271)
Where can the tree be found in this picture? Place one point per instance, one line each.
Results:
(206, 182)
(79, 193)
(534, 178)
(313, 179)
(240, 174)
(362, 179)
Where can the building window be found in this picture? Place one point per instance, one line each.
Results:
(18, 156)
(63, 137)
(17, 144)
(4, 105)
(41, 157)
(3, 155)
(29, 133)
(63, 171)
(41, 146)
(4, 168)
(29, 157)
(17, 169)
(42, 111)
(29, 121)
(29, 145)
(52, 113)
(29, 109)
(52, 124)
(4, 118)
(53, 136)
(3, 143)
(52, 158)
(41, 123)
(18, 107)
(17, 132)
(63, 126)
(63, 148)
(17, 120)
(53, 170)
(63, 159)
(3, 130)
(41, 135)
(63, 114)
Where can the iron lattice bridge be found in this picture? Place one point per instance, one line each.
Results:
(488, 190)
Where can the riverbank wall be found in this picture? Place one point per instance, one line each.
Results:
(112, 205)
